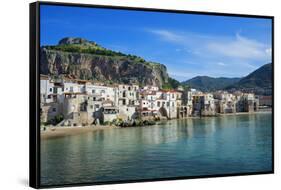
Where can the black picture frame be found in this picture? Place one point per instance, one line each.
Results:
(34, 91)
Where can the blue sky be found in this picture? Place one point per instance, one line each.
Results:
(189, 45)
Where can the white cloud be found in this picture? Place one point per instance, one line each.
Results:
(268, 51)
(221, 64)
(234, 47)
(168, 35)
(211, 55)
(239, 47)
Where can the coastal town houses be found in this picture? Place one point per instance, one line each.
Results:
(71, 102)
(203, 104)
(78, 109)
(128, 101)
(246, 102)
(169, 102)
(225, 102)
(73, 85)
(79, 101)
(51, 100)
(265, 101)
(158, 103)
(46, 89)
(186, 105)
(102, 93)
(148, 104)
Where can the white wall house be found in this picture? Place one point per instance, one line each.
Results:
(104, 92)
(128, 100)
(203, 104)
(72, 87)
(46, 89)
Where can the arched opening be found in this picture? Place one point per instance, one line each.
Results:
(163, 112)
(185, 111)
(98, 116)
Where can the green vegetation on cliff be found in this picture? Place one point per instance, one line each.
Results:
(171, 84)
(80, 48)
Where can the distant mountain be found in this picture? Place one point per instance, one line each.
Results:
(259, 81)
(205, 83)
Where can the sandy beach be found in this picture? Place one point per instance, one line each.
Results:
(56, 132)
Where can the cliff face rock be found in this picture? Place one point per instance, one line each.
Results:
(67, 41)
(87, 60)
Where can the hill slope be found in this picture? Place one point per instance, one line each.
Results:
(259, 81)
(205, 83)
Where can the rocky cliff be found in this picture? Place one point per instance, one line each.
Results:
(84, 59)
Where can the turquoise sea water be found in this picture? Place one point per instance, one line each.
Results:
(175, 148)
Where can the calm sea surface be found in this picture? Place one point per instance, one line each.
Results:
(187, 147)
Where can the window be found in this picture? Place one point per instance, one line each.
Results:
(158, 104)
(71, 89)
(54, 109)
(51, 89)
(55, 90)
(97, 106)
(124, 102)
(129, 88)
(168, 104)
(93, 91)
(173, 95)
(91, 106)
(173, 104)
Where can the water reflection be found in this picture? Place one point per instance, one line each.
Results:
(186, 147)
